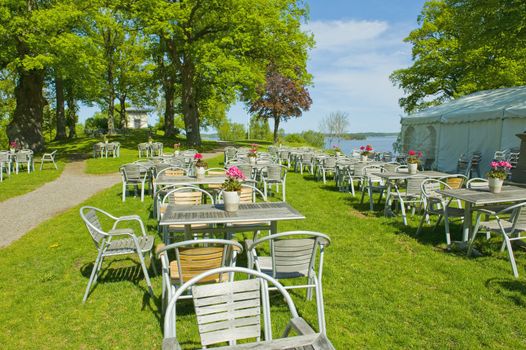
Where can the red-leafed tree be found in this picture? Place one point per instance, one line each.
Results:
(282, 99)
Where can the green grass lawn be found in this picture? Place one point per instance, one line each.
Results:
(21, 183)
(383, 287)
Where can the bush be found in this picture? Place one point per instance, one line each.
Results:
(228, 131)
(314, 138)
(294, 138)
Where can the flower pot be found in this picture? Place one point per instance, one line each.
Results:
(176, 152)
(363, 158)
(338, 154)
(12, 150)
(200, 172)
(495, 185)
(252, 160)
(412, 167)
(231, 201)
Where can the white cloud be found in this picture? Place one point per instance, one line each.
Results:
(336, 35)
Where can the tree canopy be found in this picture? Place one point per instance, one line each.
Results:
(463, 46)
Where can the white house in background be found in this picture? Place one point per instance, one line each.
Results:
(137, 118)
(485, 122)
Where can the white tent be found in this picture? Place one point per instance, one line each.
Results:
(484, 122)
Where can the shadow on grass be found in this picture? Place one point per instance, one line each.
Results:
(512, 289)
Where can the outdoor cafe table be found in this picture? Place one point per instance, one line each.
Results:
(482, 196)
(189, 215)
(391, 176)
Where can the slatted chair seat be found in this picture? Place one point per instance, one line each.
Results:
(127, 245)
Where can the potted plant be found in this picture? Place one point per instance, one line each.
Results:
(253, 154)
(337, 150)
(497, 175)
(200, 166)
(366, 152)
(176, 149)
(12, 146)
(231, 188)
(413, 160)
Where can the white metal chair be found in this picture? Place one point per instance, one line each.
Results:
(134, 175)
(193, 257)
(328, 165)
(455, 181)
(24, 158)
(293, 255)
(511, 229)
(274, 174)
(231, 311)
(143, 148)
(411, 196)
(107, 243)
(436, 204)
(48, 157)
(372, 184)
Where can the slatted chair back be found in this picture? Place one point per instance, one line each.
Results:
(22, 157)
(414, 185)
(230, 152)
(190, 152)
(329, 163)
(306, 158)
(172, 171)
(456, 181)
(519, 217)
(500, 155)
(4, 157)
(284, 155)
(110, 147)
(247, 194)
(274, 172)
(513, 158)
(133, 172)
(186, 196)
(431, 186)
(215, 171)
(358, 168)
(247, 170)
(91, 220)
(477, 183)
(369, 172)
(228, 311)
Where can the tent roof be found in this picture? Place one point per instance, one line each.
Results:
(482, 105)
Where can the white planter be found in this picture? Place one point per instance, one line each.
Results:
(412, 167)
(363, 158)
(338, 154)
(176, 152)
(495, 185)
(200, 172)
(252, 160)
(231, 201)
(12, 150)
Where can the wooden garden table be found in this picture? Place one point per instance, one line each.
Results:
(189, 215)
(481, 196)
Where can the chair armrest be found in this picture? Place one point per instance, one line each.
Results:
(121, 232)
(171, 344)
(485, 211)
(130, 218)
(299, 325)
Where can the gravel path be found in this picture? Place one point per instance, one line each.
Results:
(23, 213)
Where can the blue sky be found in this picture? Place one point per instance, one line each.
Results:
(358, 45)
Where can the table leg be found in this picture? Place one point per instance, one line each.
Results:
(466, 230)
(387, 199)
(187, 232)
(273, 227)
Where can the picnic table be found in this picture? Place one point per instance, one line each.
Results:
(263, 212)
(390, 177)
(482, 196)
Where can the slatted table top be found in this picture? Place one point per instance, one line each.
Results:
(215, 214)
(189, 180)
(480, 196)
(392, 175)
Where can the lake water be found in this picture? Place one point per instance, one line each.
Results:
(379, 143)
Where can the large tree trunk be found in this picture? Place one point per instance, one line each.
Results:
(190, 111)
(26, 126)
(122, 111)
(169, 110)
(110, 51)
(71, 118)
(60, 115)
(276, 129)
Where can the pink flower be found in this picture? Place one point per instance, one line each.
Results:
(198, 156)
(362, 148)
(412, 153)
(234, 173)
(369, 148)
(420, 154)
(494, 164)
